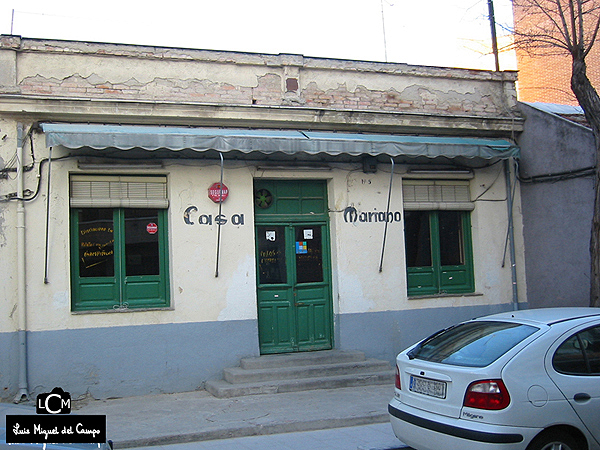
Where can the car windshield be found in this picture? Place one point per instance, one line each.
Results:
(472, 344)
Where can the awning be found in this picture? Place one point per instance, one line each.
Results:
(289, 142)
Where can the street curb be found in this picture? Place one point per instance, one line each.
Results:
(256, 430)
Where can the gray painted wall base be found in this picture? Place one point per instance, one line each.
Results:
(152, 359)
(383, 335)
(128, 361)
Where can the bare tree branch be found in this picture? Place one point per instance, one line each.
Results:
(581, 43)
(593, 39)
(564, 30)
(572, 25)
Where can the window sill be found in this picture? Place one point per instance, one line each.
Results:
(463, 294)
(121, 310)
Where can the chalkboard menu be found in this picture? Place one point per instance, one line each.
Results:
(96, 243)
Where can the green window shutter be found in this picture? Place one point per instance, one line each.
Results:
(457, 276)
(94, 264)
(119, 245)
(150, 288)
(439, 255)
(420, 233)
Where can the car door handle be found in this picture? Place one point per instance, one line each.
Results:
(581, 397)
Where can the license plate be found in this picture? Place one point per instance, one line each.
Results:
(428, 387)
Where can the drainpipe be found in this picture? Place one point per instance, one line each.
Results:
(21, 285)
(387, 212)
(511, 237)
(47, 217)
(219, 222)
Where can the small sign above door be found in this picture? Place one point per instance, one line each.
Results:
(218, 192)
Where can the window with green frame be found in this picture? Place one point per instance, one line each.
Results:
(119, 253)
(437, 233)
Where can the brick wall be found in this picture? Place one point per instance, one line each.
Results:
(268, 91)
(547, 78)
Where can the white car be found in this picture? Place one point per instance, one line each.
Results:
(518, 380)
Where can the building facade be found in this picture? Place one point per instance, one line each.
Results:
(165, 212)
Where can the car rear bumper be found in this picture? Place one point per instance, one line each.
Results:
(430, 431)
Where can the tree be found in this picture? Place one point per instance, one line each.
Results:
(545, 27)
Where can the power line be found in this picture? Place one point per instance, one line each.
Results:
(384, 38)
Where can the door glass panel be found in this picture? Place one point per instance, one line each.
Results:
(271, 255)
(418, 238)
(309, 254)
(591, 343)
(96, 243)
(580, 354)
(141, 242)
(451, 238)
(569, 358)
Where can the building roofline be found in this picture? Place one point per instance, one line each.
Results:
(26, 44)
(561, 112)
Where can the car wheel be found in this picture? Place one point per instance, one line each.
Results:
(554, 440)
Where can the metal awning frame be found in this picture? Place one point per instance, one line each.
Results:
(271, 142)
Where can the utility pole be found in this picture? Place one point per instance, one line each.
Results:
(494, 38)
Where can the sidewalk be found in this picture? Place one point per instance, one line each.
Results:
(377, 436)
(198, 416)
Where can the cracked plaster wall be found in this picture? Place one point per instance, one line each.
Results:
(248, 79)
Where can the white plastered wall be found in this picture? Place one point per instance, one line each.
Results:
(196, 294)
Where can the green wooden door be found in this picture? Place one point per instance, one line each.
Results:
(439, 253)
(294, 275)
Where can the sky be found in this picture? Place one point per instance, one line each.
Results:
(446, 33)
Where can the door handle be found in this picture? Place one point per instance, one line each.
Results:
(299, 304)
(582, 397)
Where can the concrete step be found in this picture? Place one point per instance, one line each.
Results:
(224, 389)
(301, 359)
(295, 372)
(236, 375)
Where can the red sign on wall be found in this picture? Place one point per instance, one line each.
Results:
(152, 228)
(218, 192)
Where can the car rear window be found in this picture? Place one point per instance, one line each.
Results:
(472, 344)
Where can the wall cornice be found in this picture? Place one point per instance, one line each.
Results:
(39, 109)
